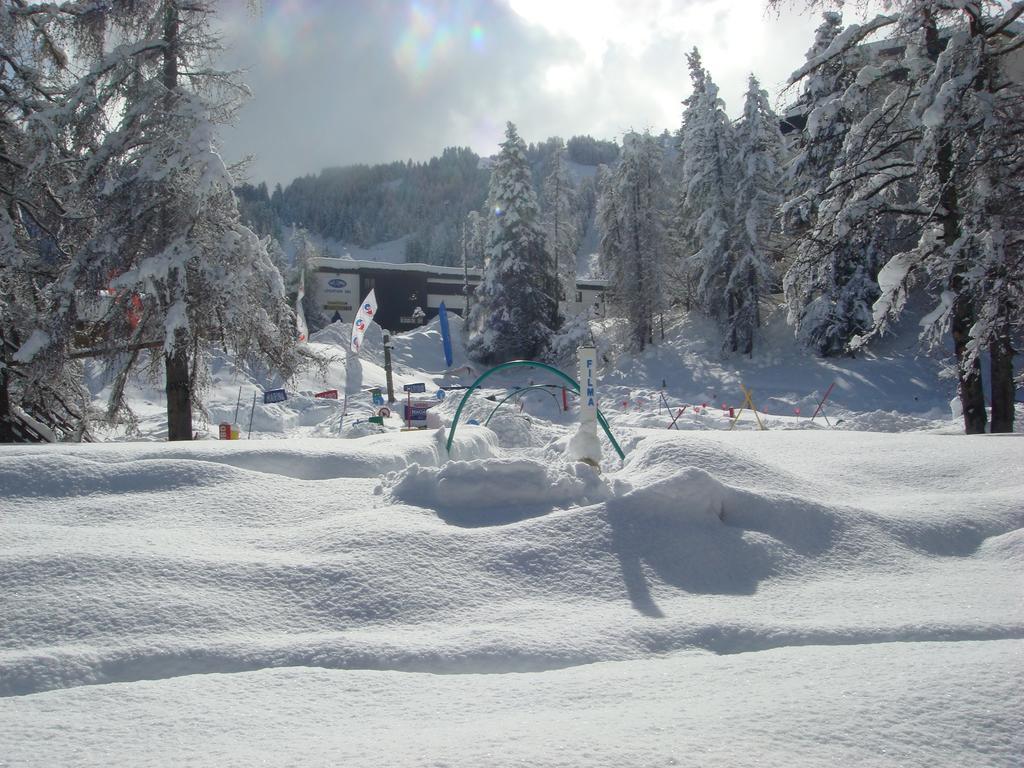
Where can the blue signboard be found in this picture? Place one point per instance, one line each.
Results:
(337, 283)
(415, 413)
(274, 396)
(414, 388)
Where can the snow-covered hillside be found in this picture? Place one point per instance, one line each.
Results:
(801, 596)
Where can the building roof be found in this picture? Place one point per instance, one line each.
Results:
(354, 265)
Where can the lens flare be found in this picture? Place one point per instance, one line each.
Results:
(476, 37)
(433, 35)
(289, 30)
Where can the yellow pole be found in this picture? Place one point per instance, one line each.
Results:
(748, 399)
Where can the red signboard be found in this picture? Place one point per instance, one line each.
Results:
(330, 394)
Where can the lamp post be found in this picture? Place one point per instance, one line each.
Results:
(387, 366)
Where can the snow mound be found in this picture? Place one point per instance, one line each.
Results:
(690, 494)
(891, 421)
(495, 491)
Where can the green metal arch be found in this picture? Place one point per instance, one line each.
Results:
(510, 395)
(519, 364)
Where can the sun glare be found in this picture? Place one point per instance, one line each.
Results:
(430, 35)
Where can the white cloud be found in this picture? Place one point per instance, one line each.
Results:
(333, 84)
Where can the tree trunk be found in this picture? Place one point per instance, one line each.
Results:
(6, 426)
(176, 367)
(969, 386)
(1003, 391)
(179, 394)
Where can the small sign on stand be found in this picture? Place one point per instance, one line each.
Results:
(227, 431)
(415, 413)
(274, 396)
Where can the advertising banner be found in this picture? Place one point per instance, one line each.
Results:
(588, 397)
(336, 294)
(584, 445)
(363, 319)
(300, 314)
(416, 412)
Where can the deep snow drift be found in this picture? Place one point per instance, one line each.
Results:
(798, 596)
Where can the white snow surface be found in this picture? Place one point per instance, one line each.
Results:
(801, 596)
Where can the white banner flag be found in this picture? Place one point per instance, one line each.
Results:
(363, 319)
(300, 315)
(584, 446)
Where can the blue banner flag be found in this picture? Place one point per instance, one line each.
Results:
(446, 334)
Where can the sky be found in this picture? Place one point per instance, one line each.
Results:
(339, 83)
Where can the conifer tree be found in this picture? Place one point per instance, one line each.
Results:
(969, 163)
(560, 226)
(705, 215)
(940, 149)
(166, 243)
(761, 157)
(826, 122)
(633, 241)
(831, 284)
(515, 300)
(39, 225)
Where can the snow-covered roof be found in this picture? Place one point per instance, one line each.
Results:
(354, 265)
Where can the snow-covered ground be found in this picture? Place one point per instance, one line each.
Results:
(801, 596)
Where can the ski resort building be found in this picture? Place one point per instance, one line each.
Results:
(338, 285)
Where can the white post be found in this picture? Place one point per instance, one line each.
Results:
(584, 445)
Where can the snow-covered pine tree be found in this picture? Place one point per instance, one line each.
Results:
(37, 159)
(761, 158)
(947, 97)
(475, 238)
(560, 225)
(305, 251)
(704, 218)
(970, 162)
(633, 237)
(825, 124)
(609, 225)
(832, 283)
(168, 242)
(515, 300)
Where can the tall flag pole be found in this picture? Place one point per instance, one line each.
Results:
(300, 315)
(363, 319)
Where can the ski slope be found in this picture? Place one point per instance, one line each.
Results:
(337, 593)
